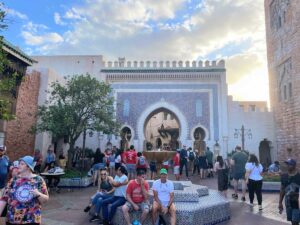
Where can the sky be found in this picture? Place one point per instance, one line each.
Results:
(233, 30)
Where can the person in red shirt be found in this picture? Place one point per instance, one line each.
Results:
(137, 194)
(141, 163)
(123, 157)
(131, 160)
(176, 160)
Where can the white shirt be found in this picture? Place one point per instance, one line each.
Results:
(118, 159)
(120, 191)
(254, 170)
(163, 191)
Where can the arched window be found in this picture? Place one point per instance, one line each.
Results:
(198, 108)
(126, 108)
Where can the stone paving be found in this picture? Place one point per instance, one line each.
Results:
(66, 208)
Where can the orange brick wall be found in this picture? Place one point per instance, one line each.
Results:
(19, 141)
(284, 44)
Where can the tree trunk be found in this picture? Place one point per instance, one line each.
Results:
(70, 154)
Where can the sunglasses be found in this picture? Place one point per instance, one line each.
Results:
(103, 174)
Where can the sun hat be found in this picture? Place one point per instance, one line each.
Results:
(29, 161)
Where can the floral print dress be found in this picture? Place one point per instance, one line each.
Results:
(22, 206)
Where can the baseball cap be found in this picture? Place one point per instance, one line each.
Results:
(163, 171)
(2, 148)
(291, 162)
(29, 161)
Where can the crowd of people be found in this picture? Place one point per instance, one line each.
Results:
(121, 177)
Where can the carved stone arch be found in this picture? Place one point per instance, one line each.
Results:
(207, 135)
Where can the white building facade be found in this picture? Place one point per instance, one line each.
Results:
(194, 92)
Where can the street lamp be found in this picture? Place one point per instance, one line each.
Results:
(100, 138)
(242, 133)
(217, 149)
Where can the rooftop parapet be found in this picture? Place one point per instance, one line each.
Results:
(122, 63)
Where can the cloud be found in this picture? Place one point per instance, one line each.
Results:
(14, 13)
(37, 40)
(37, 35)
(58, 20)
(167, 30)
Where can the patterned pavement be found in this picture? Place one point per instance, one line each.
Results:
(66, 208)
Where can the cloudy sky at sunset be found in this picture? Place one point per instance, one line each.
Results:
(233, 30)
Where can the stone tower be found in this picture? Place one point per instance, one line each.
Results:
(283, 50)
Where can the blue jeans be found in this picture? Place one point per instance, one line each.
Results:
(98, 200)
(115, 202)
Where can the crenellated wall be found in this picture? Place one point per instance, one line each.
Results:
(121, 63)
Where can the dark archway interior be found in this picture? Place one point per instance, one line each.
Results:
(199, 133)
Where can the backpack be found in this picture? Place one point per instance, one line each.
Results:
(191, 156)
(142, 161)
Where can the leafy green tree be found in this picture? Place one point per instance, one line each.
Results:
(7, 83)
(81, 104)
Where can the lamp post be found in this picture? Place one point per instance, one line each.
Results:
(217, 149)
(100, 138)
(242, 133)
(225, 144)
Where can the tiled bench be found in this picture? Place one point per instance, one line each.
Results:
(195, 204)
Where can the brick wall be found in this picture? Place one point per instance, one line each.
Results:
(19, 141)
(283, 45)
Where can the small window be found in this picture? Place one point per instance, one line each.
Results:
(252, 108)
(279, 22)
(290, 90)
(199, 108)
(2, 136)
(126, 108)
(284, 92)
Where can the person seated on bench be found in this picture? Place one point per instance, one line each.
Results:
(137, 194)
(105, 190)
(120, 182)
(163, 193)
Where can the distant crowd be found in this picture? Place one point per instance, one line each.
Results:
(121, 177)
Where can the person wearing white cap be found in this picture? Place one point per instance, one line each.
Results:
(4, 168)
(24, 195)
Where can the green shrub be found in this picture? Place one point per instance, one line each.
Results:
(73, 173)
(271, 177)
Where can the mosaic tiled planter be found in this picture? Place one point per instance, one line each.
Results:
(267, 186)
(195, 204)
(75, 182)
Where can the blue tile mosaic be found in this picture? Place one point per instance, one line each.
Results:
(185, 101)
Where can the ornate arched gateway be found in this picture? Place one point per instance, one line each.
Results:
(169, 125)
(161, 130)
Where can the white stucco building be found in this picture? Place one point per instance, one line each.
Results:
(193, 93)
